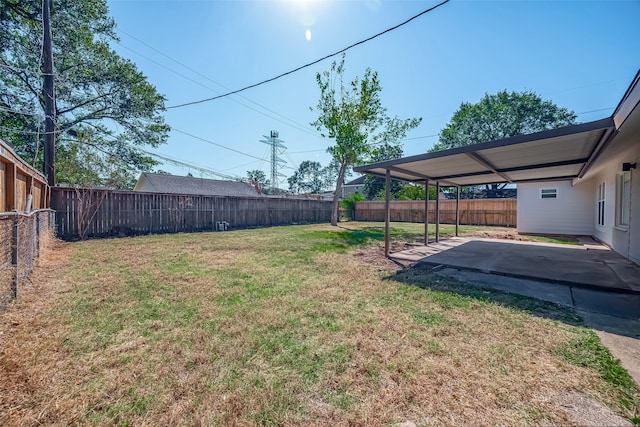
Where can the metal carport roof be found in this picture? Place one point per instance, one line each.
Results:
(557, 154)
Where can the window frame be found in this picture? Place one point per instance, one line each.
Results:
(600, 204)
(623, 200)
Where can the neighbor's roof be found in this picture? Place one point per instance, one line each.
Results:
(173, 184)
(562, 153)
(358, 181)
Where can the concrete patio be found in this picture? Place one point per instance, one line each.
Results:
(589, 265)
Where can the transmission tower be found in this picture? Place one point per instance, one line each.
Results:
(277, 148)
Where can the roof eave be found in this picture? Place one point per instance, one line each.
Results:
(628, 102)
(518, 139)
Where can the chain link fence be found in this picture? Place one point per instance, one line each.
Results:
(22, 239)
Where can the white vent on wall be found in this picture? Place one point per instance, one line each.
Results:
(548, 193)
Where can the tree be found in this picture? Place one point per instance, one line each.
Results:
(373, 185)
(97, 91)
(79, 165)
(413, 192)
(501, 116)
(408, 192)
(310, 177)
(351, 115)
(259, 179)
(349, 204)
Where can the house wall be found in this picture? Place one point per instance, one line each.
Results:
(143, 186)
(348, 190)
(634, 231)
(624, 241)
(575, 209)
(572, 212)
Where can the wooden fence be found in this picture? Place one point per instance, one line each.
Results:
(501, 212)
(84, 213)
(18, 181)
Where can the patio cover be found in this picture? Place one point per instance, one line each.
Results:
(559, 154)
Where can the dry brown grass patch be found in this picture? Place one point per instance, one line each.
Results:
(167, 331)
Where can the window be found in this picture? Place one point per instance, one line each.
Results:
(623, 199)
(548, 193)
(601, 204)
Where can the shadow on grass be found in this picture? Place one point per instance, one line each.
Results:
(361, 235)
(343, 238)
(584, 350)
(420, 275)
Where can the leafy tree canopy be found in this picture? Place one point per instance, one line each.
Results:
(353, 116)
(374, 185)
(310, 177)
(502, 115)
(259, 178)
(99, 94)
(407, 192)
(349, 203)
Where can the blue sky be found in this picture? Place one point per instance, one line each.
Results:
(580, 54)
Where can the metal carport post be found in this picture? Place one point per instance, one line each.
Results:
(426, 212)
(457, 209)
(437, 211)
(387, 209)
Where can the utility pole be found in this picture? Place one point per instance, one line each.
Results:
(276, 148)
(48, 91)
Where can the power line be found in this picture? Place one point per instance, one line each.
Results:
(215, 143)
(208, 141)
(293, 162)
(28, 132)
(298, 127)
(172, 160)
(436, 135)
(241, 166)
(314, 62)
(204, 76)
(594, 111)
(201, 169)
(22, 70)
(308, 151)
(23, 113)
(420, 137)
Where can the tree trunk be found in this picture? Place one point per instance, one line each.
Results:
(336, 196)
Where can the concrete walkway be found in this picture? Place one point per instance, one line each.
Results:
(600, 284)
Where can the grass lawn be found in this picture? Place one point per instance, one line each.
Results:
(298, 325)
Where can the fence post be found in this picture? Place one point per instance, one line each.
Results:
(16, 254)
(37, 235)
